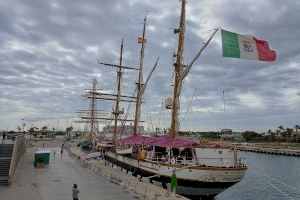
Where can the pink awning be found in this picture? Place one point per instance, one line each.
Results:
(162, 141)
(174, 143)
(152, 140)
(137, 139)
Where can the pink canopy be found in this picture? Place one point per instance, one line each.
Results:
(162, 141)
(153, 140)
(175, 143)
(135, 139)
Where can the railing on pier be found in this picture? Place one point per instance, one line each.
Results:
(18, 151)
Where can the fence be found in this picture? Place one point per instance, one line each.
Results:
(18, 151)
(142, 190)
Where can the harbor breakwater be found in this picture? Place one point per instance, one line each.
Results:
(278, 151)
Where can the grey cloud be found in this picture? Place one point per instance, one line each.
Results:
(49, 52)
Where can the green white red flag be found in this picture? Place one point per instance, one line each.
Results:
(246, 47)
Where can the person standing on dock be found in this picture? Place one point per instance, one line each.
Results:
(3, 135)
(61, 152)
(75, 191)
(173, 183)
(54, 152)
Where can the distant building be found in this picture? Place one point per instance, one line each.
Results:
(228, 135)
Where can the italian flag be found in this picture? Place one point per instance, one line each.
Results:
(247, 47)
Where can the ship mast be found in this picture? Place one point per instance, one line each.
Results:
(178, 71)
(117, 112)
(91, 116)
(117, 97)
(181, 70)
(140, 87)
(139, 84)
(225, 109)
(93, 106)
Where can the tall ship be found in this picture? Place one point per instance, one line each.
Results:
(200, 171)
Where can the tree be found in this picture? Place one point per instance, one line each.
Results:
(281, 128)
(36, 129)
(250, 135)
(281, 131)
(272, 135)
(69, 130)
(296, 128)
(289, 132)
(44, 130)
(31, 131)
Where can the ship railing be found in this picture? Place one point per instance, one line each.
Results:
(215, 158)
(159, 158)
(156, 157)
(230, 161)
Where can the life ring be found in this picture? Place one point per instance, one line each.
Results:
(173, 161)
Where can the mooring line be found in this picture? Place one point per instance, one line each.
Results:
(283, 183)
(276, 188)
(283, 193)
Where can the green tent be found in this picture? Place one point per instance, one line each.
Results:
(42, 155)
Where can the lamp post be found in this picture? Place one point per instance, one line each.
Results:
(23, 126)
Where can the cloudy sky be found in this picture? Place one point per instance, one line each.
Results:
(49, 52)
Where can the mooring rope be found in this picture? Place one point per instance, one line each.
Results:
(283, 193)
(276, 188)
(283, 183)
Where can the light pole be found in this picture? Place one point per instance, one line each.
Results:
(23, 125)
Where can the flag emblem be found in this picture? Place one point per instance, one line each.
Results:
(247, 46)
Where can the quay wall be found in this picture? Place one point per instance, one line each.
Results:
(281, 151)
(142, 190)
(18, 151)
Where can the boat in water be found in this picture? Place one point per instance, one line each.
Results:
(200, 170)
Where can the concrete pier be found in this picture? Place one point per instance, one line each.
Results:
(141, 190)
(56, 181)
(280, 151)
(95, 180)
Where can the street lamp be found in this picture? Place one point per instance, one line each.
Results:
(23, 125)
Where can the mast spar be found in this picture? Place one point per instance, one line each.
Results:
(140, 81)
(181, 70)
(178, 71)
(117, 112)
(140, 87)
(224, 109)
(93, 106)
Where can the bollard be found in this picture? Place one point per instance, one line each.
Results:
(168, 189)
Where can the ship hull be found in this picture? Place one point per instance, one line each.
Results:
(195, 181)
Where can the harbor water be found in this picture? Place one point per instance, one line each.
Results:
(269, 177)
